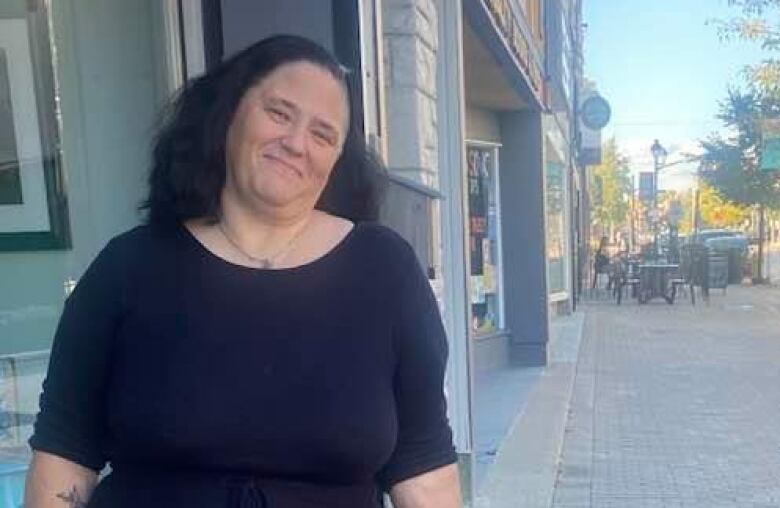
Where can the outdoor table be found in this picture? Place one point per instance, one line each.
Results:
(654, 281)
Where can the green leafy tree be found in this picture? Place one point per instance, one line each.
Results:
(758, 23)
(731, 165)
(610, 189)
(717, 212)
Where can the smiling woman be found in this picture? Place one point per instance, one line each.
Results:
(299, 354)
(284, 141)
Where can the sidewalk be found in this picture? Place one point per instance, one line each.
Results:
(523, 473)
(676, 406)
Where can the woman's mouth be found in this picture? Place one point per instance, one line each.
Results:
(284, 167)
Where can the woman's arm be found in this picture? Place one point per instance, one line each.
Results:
(439, 488)
(54, 482)
(67, 436)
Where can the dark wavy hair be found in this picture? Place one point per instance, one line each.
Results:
(188, 160)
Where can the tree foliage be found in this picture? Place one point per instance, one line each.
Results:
(717, 212)
(754, 25)
(610, 188)
(731, 165)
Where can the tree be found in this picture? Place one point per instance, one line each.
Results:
(753, 25)
(732, 165)
(717, 212)
(610, 189)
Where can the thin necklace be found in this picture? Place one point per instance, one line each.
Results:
(265, 262)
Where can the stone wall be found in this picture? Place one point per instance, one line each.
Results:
(410, 51)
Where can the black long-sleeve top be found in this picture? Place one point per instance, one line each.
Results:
(206, 383)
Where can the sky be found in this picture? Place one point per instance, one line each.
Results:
(663, 70)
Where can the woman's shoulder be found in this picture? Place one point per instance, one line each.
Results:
(142, 245)
(384, 240)
(140, 237)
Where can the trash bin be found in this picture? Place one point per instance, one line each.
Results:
(718, 270)
(736, 265)
(733, 249)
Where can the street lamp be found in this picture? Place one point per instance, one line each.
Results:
(659, 158)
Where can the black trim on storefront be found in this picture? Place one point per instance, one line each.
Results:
(213, 48)
(346, 46)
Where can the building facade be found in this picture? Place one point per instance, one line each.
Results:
(470, 103)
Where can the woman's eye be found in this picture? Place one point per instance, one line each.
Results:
(324, 138)
(278, 115)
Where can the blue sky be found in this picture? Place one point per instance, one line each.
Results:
(663, 70)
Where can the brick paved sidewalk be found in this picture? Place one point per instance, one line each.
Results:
(676, 406)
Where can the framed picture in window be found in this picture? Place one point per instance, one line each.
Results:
(32, 199)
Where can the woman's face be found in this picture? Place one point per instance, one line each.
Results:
(285, 138)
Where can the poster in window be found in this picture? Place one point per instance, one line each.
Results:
(478, 206)
(31, 201)
(10, 181)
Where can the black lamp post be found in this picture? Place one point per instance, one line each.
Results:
(659, 157)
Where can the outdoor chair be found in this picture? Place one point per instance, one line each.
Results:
(626, 276)
(682, 281)
(694, 269)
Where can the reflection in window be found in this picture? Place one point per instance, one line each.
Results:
(556, 226)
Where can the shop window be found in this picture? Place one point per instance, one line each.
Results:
(556, 226)
(81, 85)
(486, 292)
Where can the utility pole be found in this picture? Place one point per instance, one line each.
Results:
(659, 157)
(761, 234)
(632, 217)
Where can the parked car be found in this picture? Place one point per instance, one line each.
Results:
(706, 234)
(724, 243)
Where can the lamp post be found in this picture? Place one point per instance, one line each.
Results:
(659, 158)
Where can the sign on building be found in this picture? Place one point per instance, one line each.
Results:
(594, 113)
(770, 145)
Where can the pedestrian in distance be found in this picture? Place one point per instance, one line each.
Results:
(600, 261)
(260, 340)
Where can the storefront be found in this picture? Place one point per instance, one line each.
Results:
(485, 249)
(455, 107)
(506, 217)
(80, 92)
(557, 217)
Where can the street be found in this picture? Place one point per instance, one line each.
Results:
(675, 405)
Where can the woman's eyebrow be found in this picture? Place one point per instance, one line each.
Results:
(324, 124)
(282, 101)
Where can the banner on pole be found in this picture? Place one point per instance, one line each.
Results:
(646, 185)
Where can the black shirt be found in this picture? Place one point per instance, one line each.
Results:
(200, 378)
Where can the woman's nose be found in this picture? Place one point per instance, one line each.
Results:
(294, 140)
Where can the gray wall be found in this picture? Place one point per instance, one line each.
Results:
(482, 124)
(252, 20)
(523, 236)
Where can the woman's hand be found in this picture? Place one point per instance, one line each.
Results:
(439, 488)
(54, 482)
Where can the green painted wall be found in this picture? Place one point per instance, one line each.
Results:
(111, 86)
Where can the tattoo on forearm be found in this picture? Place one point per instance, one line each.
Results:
(72, 498)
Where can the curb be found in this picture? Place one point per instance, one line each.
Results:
(526, 465)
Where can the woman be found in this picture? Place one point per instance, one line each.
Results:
(257, 343)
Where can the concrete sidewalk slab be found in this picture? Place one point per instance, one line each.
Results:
(526, 463)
